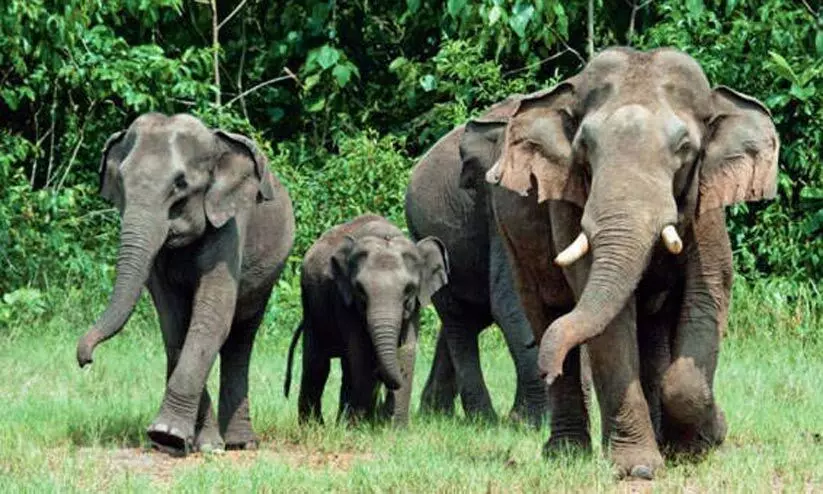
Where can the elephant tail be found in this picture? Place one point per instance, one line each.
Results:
(292, 346)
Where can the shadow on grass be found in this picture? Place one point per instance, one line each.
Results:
(126, 431)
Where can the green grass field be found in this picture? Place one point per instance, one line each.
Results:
(63, 429)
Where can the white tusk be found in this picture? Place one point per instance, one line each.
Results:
(573, 252)
(493, 175)
(672, 239)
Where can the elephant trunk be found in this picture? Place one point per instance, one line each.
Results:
(623, 233)
(140, 238)
(384, 329)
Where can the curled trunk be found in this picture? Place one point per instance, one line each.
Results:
(141, 237)
(384, 331)
(621, 252)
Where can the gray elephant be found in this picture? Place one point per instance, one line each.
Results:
(634, 149)
(363, 284)
(207, 228)
(455, 208)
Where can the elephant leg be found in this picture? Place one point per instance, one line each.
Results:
(463, 344)
(233, 410)
(213, 307)
(361, 382)
(654, 345)
(531, 402)
(316, 367)
(626, 425)
(694, 421)
(173, 313)
(400, 399)
(440, 390)
(462, 323)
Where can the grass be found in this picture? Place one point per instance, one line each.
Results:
(63, 429)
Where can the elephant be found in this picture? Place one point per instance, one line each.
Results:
(588, 176)
(454, 208)
(363, 284)
(207, 229)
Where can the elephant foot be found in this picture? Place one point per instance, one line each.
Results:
(436, 403)
(208, 440)
(696, 441)
(567, 444)
(240, 437)
(250, 445)
(637, 463)
(533, 416)
(170, 438)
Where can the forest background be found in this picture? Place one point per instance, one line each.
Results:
(345, 95)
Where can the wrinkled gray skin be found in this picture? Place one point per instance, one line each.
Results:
(207, 229)
(634, 142)
(363, 284)
(480, 290)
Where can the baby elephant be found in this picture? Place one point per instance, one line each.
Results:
(363, 284)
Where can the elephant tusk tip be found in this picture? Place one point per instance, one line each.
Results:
(672, 240)
(575, 251)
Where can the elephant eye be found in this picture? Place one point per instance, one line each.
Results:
(409, 291)
(180, 182)
(359, 290)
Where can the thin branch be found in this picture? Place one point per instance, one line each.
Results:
(590, 30)
(215, 47)
(240, 71)
(255, 88)
(635, 8)
(566, 45)
(538, 63)
(232, 14)
(293, 76)
(809, 8)
(76, 148)
(51, 139)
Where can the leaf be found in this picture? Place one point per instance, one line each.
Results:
(730, 6)
(316, 104)
(520, 20)
(413, 6)
(494, 15)
(342, 73)
(695, 7)
(311, 81)
(455, 7)
(327, 56)
(783, 68)
(428, 83)
(818, 43)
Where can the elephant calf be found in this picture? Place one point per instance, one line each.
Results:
(363, 284)
(207, 228)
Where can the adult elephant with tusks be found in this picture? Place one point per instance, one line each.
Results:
(620, 173)
(207, 229)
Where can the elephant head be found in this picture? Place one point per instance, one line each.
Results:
(643, 145)
(172, 179)
(387, 280)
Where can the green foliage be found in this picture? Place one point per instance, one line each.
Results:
(344, 95)
(365, 175)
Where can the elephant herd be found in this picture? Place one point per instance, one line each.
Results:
(589, 216)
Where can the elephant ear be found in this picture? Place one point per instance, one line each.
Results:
(536, 143)
(479, 141)
(340, 270)
(435, 268)
(110, 160)
(239, 179)
(740, 159)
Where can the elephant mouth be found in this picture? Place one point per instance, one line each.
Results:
(175, 239)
